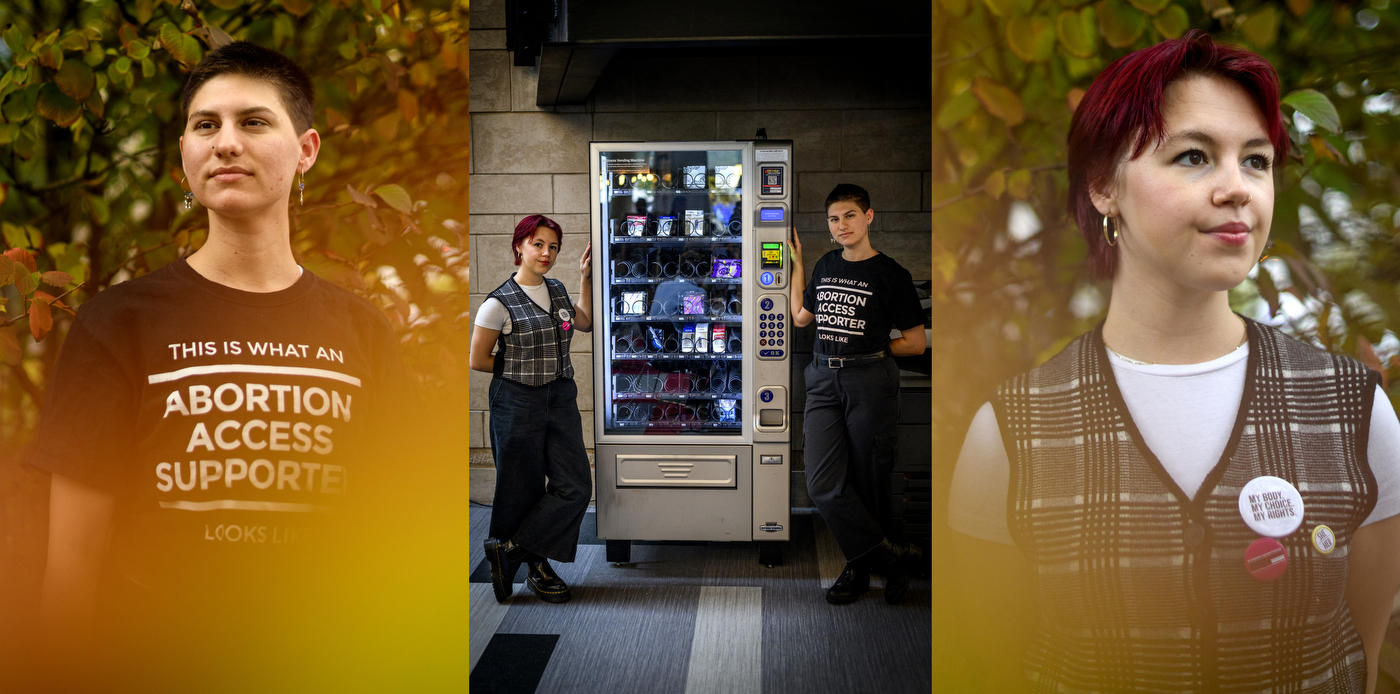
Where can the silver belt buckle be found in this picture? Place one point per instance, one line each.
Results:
(832, 363)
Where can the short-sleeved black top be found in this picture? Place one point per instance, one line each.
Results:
(856, 304)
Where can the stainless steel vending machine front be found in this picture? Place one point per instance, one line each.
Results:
(691, 370)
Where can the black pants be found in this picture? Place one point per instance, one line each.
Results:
(849, 435)
(542, 480)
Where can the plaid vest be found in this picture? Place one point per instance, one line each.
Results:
(535, 351)
(1140, 588)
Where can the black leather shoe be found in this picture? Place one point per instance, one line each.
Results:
(502, 568)
(885, 561)
(545, 583)
(853, 583)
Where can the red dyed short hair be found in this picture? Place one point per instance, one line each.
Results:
(1125, 102)
(526, 229)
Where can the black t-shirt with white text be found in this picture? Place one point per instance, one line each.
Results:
(856, 304)
(231, 427)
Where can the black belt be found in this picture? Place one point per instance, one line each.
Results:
(841, 362)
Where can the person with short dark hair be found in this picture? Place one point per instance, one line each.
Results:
(1182, 499)
(543, 484)
(209, 424)
(857, 296)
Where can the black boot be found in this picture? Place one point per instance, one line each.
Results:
(884, 560)
(503, 566)
(853, 583)
(545, 583)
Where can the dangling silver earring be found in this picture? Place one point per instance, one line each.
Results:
(301, 190)
(189, 195)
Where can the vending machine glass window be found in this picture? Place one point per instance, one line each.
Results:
(672, 264)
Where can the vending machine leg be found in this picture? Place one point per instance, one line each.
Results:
(619, 551)
(770, 553)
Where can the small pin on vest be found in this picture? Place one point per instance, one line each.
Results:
(1265, 559)
(1323, 539)
(1271, 506)
(564, 317)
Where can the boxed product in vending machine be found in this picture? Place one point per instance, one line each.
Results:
(718, 339)
(702, 337)
(694, 222)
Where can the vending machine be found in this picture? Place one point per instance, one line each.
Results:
(691, 342)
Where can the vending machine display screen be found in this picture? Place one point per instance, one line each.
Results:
(770, 214)
(772, 256)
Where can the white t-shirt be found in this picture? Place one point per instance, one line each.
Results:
(493, 314)
(1185, 414)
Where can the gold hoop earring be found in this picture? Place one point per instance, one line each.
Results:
(1110, 241)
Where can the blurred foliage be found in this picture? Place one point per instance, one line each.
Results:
(90, 183)
(90, 178)
(1011, 271)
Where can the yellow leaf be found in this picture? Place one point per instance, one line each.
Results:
(1261, 28)
(1000, 8)
(1120, 25)
(396, 197)
(1299, 7)
(1172, 23)
(408, 105)
(999, 101)
(1078, 32)
(1075, 96)
(995, 184)
(1032, 39)
(1150, 6)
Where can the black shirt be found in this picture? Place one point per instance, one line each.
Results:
(856, 304)
(228, 425)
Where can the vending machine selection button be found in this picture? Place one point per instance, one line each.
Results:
(765, 278)
(770, 460)
(775, 353)
(765, 395)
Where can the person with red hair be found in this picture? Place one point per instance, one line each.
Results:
(1183, 499)
(542, 478)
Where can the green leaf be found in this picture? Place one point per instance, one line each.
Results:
(1172, 23)
(1032, 39)
(95, 104)
(1150, 6)
(1120, 25)
(144, 8)
(995, 185)
(396, 197)
(17, 40)
(1261, 28)
(1317, 107)
(181, 46)
(57, 106)
(999, 101)
(226, 4)
(122, 65)
(956, 109)
(1078, 32)
(75, 79)
(138, 50)
(28, 283)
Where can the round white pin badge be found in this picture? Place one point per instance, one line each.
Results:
(1323, 539)
(1271, 506)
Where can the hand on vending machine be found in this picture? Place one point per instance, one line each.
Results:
(797, 275)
